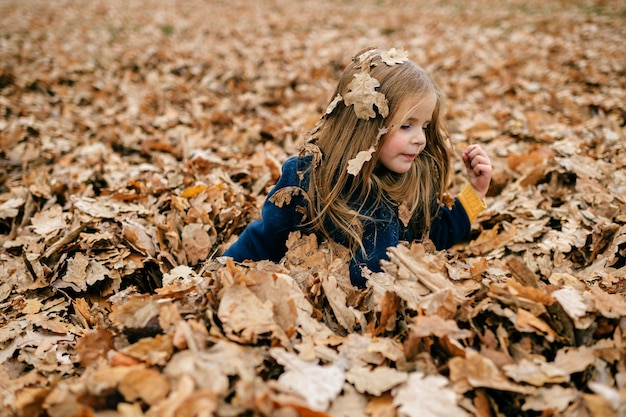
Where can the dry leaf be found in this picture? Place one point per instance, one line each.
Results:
(427, 396)
(246, 318)
(477, 371)
(283, 196)
(363, 96)
(394, 56)
(356, 163)
(319, 385)
(537, 373)
(148, 385)
(196, 243)
(334, 103)
(572, 301)
(375, 381)
(551, 398)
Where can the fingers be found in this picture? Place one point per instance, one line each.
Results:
(476, 160)
(480, 165)
(478, 168)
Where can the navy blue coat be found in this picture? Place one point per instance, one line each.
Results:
(265, 238)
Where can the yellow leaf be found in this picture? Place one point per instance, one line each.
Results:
(193, 191)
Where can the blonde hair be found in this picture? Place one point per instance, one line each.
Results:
(341, 135)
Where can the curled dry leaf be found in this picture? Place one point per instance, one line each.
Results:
(283, 196)
(333, 104)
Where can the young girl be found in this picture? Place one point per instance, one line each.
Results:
(373, 172)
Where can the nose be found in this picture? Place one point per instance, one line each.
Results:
(420, 137)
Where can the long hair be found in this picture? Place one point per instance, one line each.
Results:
(335, 194)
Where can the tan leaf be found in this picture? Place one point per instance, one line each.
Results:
(404, 214)
(537, 372)
(427, 396)
(283, 196)
(183, 275)
(394, 56)
(363, 96)
(528, 322)
(137, 236)
(49, 221)
(381, 407)
(93, 345)
(574, 360)
(246, 318)
(320, 385)
(416, 264)
(183, 398)
(552, 398)
(196, 242)
(10, 208)
(135, 312)
(349, 404)
(77, 271)
(334, 103)
(96, 271)
(423, 326)
(356, 163)
(571, 300)
(348, 317)
(148, 385)
(375, 381)
(475, 371)
(609, 305)
(152, 350)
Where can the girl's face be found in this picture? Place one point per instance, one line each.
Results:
(401, 149)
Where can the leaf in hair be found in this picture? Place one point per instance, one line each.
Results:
(356, 163)
(404, 214)
(365, 55)
(314, 150)
(283, 196)
(381, 132)
(363, 95)
(447, 200)
(394, 56)
(333, 104)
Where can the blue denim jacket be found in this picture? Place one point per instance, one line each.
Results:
(265, 238)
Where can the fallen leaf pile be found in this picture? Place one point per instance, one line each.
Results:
(138, 138)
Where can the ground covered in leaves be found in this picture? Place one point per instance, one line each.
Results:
(139, 137)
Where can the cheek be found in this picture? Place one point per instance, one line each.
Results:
(396, 145)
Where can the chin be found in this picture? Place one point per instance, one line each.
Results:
(401, 171)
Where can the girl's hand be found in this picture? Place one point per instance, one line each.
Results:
(478, 168)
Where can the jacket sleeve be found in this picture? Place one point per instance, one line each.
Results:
(265, 238)
(452, 225)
